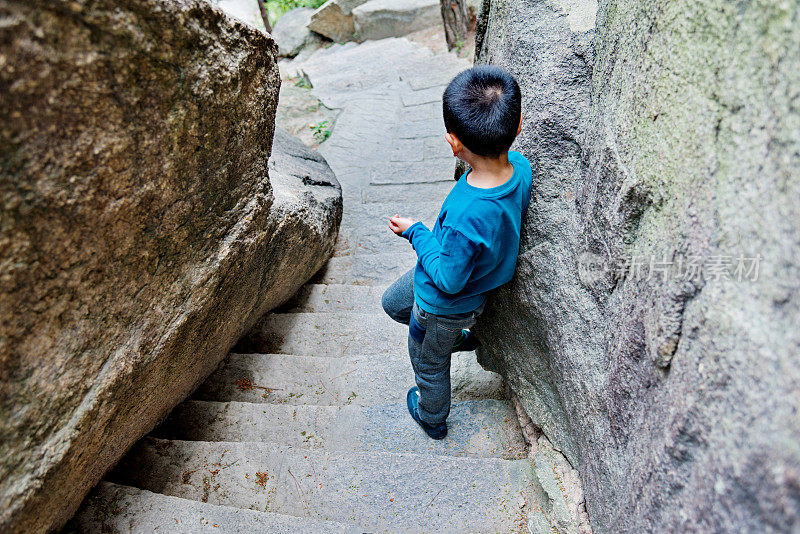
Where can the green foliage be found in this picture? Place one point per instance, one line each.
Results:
(277, 8)
(460, 45)
(303, 82)
(321, 131)
(462, 48)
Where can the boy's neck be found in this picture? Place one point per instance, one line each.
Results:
(489, 172)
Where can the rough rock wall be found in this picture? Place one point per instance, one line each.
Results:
(636, 332)
(140, 236)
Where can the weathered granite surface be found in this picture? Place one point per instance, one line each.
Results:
(378, 19)
(334, 20)
(290, 31)
(676, 138)
(140, 234)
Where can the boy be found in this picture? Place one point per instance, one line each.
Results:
(473, 246)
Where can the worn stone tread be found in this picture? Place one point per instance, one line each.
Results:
(419, 76)
(360, 380)
(366, 268)
(483, 428)
(117, 508)
(332, 334)
(376, 213)
(384, 492)
(365, 227)
(412, 173)
(433, 191)
(335, 297)
(411, 97)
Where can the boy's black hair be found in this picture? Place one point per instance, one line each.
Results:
(482, 107)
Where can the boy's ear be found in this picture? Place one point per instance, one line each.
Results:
(455, 143)
(519, 128)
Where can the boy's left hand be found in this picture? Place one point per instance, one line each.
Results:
(398, 224)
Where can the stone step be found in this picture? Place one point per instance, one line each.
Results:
(370, 240)
(413, 173)
(331, 334)
(378, 213)
(336, 47)
(432, 192)
(368, 269)
(356, 380)
(296, 67)
(486, 428)
(335, 297)
(419, 76)
(379, 491)
(365, 227)
(116, 508)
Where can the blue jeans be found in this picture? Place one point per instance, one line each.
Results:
(430, 345)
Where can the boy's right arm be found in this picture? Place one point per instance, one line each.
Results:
(450, 263)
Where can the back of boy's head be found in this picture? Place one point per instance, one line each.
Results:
(482, 107)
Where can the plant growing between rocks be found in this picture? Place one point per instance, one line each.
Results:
(321, 131)
(272, 10)
(456, 23)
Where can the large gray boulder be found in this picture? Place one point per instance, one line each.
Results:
(291, 32)
(334, 20)
(672, 389)
(141, 234)
(378, 19)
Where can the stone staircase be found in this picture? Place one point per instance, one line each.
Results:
(313, 436)
(310, 433)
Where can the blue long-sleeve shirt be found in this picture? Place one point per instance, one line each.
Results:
(474, 244)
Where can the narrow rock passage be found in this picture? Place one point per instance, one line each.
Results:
(311, 434)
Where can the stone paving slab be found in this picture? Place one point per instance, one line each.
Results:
(376, 214)
(360, 380)
(335, 298)
(437, 170)
(437, 148)
(365, 227)
(408, 150)
(419, 74)
(361, 241)
(366, 269)
(115, 508)
(358, 68)
(425, 128)
(411, 97)
(433, 192)
(374, 217)
(431, 110)
(384, 492)
(299, 110)
(484, 428)
(331, 334)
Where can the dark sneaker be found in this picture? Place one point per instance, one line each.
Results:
(434, 431)
(466, 341)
